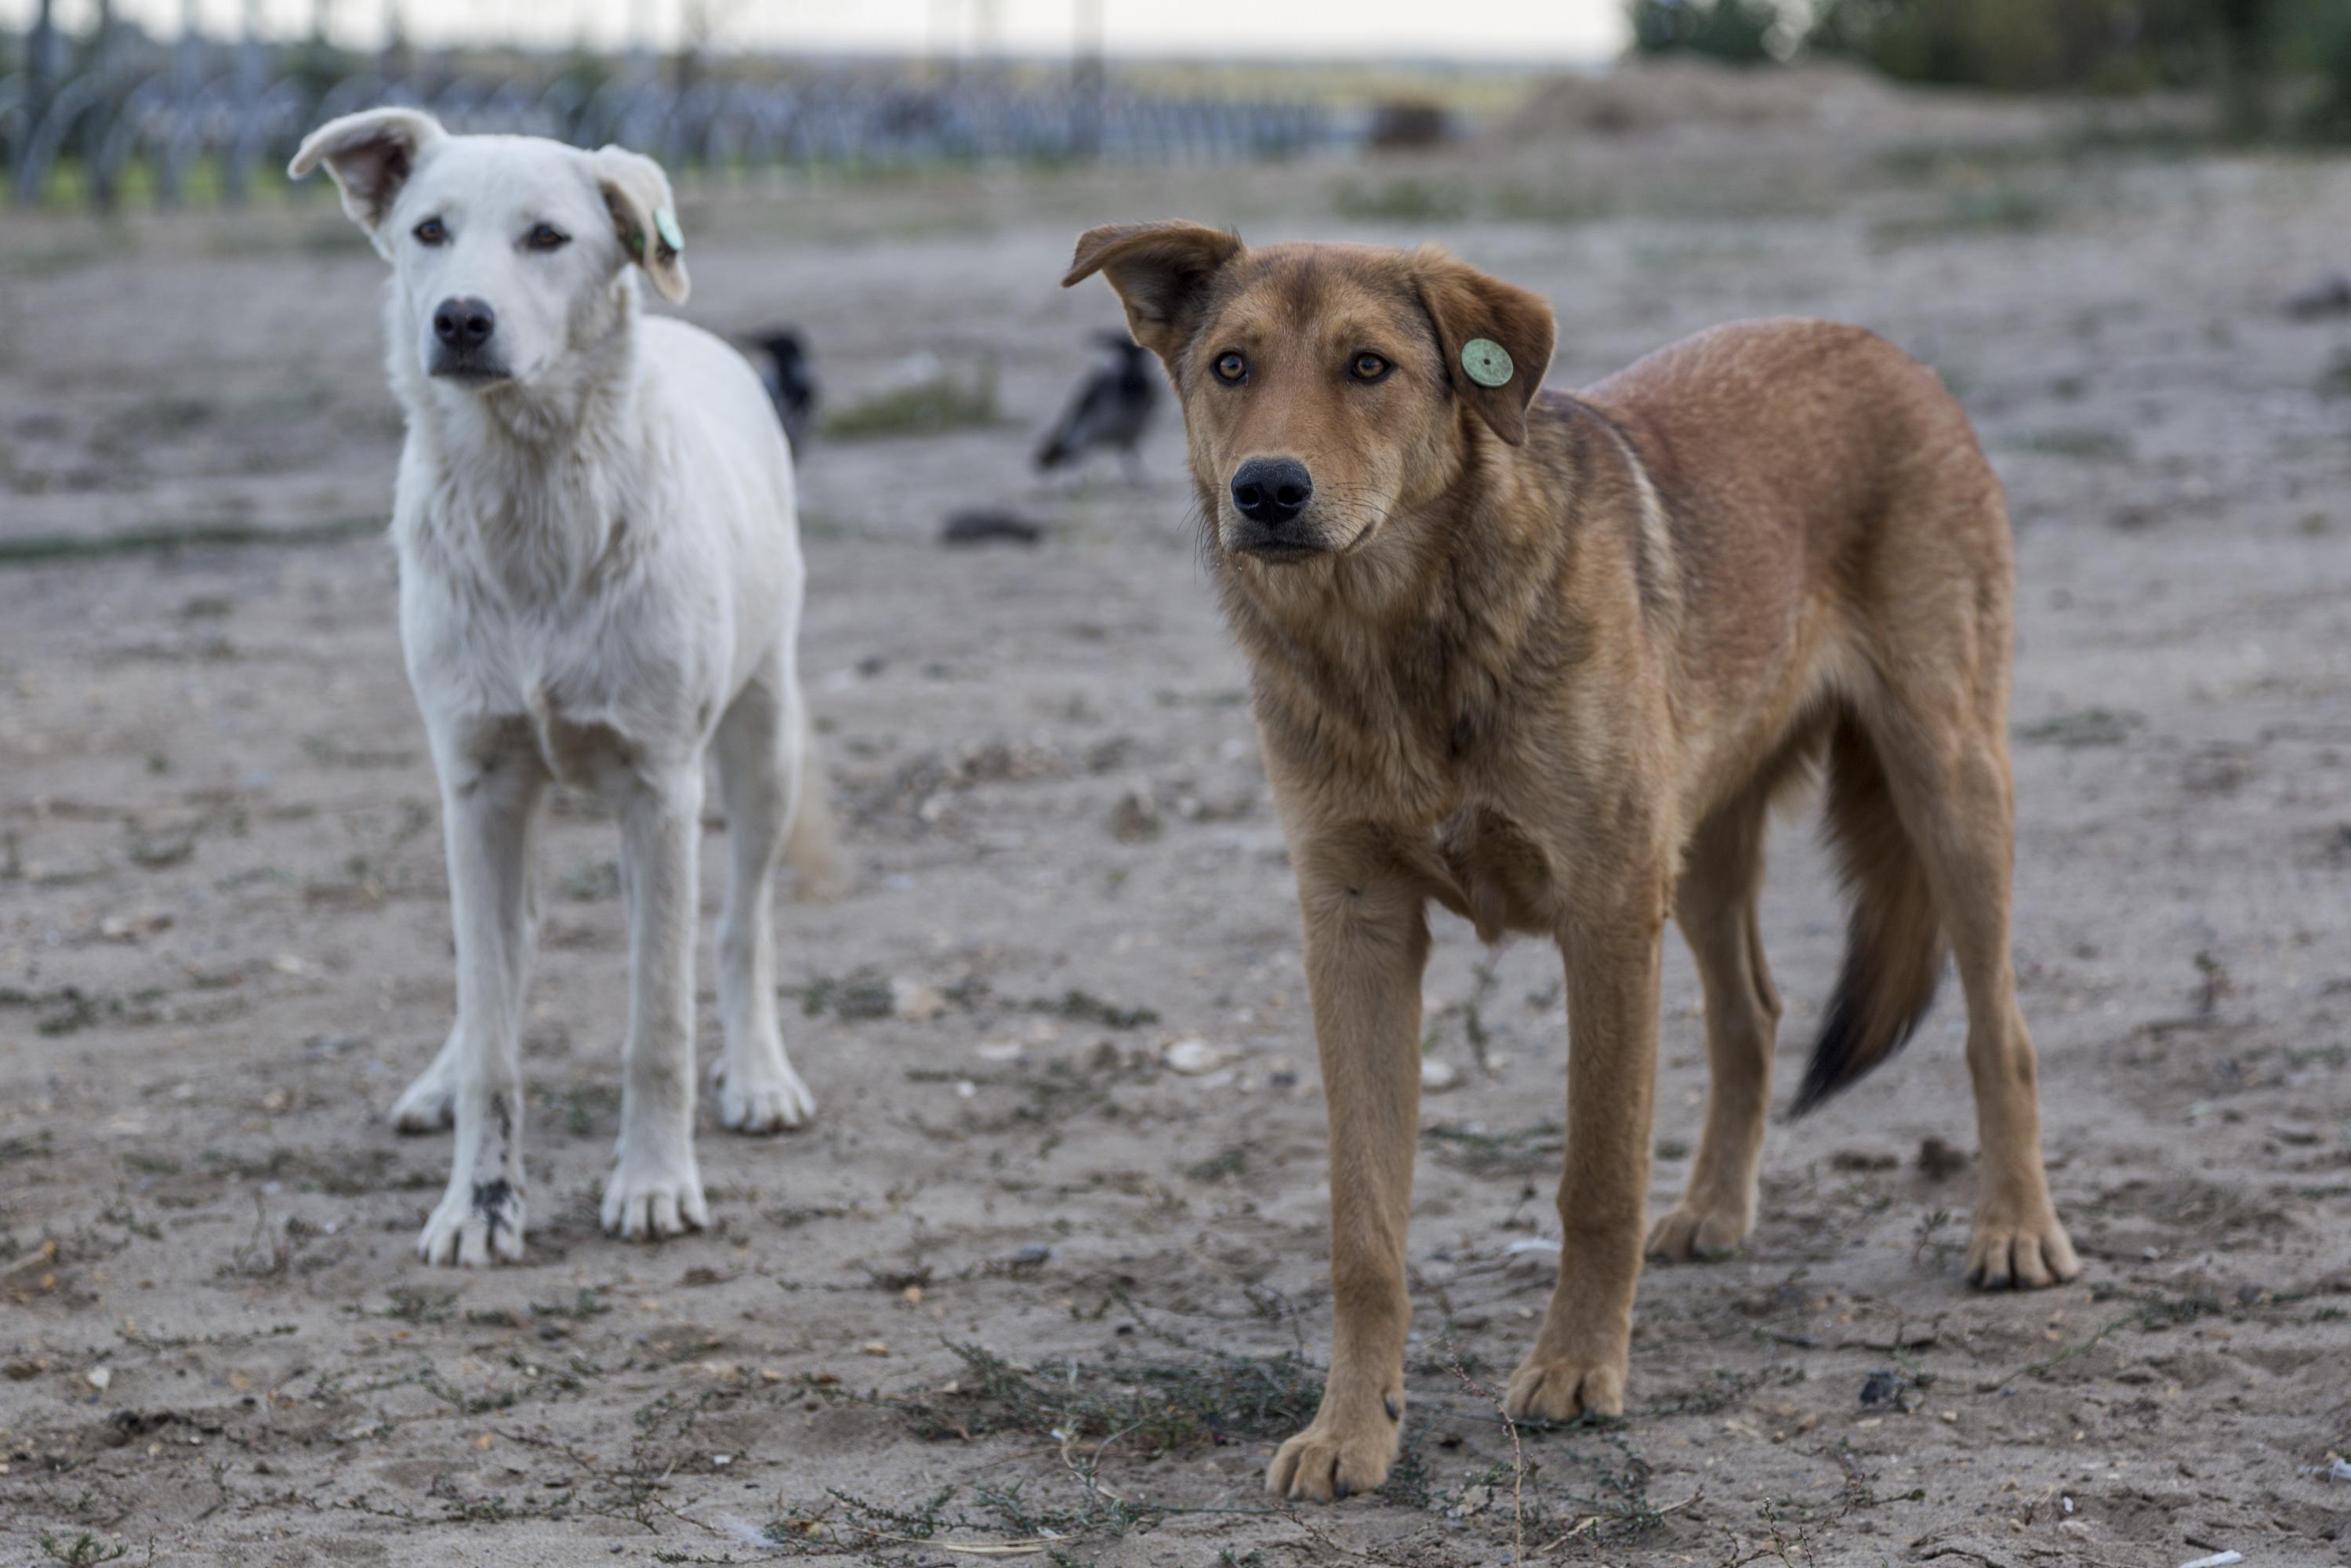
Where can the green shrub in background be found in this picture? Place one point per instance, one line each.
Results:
(2021, 44)
(2315, 38)
(1736, 30)
(2276, 68)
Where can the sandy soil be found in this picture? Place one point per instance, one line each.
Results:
(1023, 1283)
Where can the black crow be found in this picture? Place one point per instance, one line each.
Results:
(2329, 295)
(1110, 408)
(792, 382)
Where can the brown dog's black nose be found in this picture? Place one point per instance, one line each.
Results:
(1272, 491)
(464, 323)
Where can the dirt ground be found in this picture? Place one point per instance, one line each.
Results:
(1024, 1286)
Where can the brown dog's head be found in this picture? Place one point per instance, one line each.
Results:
(1326, 388)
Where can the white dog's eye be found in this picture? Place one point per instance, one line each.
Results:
(432, 232)
(546, 236)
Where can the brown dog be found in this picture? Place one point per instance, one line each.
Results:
(1547, 660)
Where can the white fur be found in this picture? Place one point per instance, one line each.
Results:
(600, 581)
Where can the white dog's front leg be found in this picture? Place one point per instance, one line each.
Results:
(488, 812)
(656, 1188)
(429, 1104)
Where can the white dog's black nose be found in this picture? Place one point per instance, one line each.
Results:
(463, 323)
(1272, 491)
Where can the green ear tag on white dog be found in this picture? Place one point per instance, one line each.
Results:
(665, 226)
(1486, 362)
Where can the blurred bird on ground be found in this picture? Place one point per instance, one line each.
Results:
(792, 382)
(1111, 410)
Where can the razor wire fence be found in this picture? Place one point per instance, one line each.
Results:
(199, 128)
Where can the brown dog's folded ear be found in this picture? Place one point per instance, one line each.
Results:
(1496, 338)
(644, 215)
(1161, 271)
(371, 154)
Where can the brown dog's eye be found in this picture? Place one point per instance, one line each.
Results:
(431, 232)
(1231, 368)
(546, 236)
(1368, 367)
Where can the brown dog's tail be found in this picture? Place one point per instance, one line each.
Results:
(812, 848)
(1894, 944)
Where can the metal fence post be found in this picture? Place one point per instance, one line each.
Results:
(96, 172)
(40, 83)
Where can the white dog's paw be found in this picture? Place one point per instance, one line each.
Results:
(648, 1199)
(430, 1104)
(427, 1106)
(477, 1223)
(767, 1098)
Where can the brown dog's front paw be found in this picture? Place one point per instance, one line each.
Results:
(2031, 1253)
(1330, 1460)
(1562, 1390)
(1696, 1235)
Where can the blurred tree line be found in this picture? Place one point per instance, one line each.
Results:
(2277, 67)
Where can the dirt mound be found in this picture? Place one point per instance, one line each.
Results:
(1652, 96)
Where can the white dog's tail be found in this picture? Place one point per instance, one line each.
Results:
(812, 849)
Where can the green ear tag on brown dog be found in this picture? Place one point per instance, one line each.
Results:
(1486, 362)
(665, 226)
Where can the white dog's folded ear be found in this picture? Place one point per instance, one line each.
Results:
(371, 154)
(645, 215)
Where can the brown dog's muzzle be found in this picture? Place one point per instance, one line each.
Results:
(1271, 496)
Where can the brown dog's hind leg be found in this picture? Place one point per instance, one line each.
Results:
(1366, 946)
(1578, 1363)
(1947, 763)
(1715, 906)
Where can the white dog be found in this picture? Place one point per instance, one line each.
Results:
(600, 580)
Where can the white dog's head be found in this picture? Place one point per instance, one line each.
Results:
(506, 251)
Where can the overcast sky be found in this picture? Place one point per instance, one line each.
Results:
(1520, 31)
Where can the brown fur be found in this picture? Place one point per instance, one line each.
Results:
(1545, 660)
